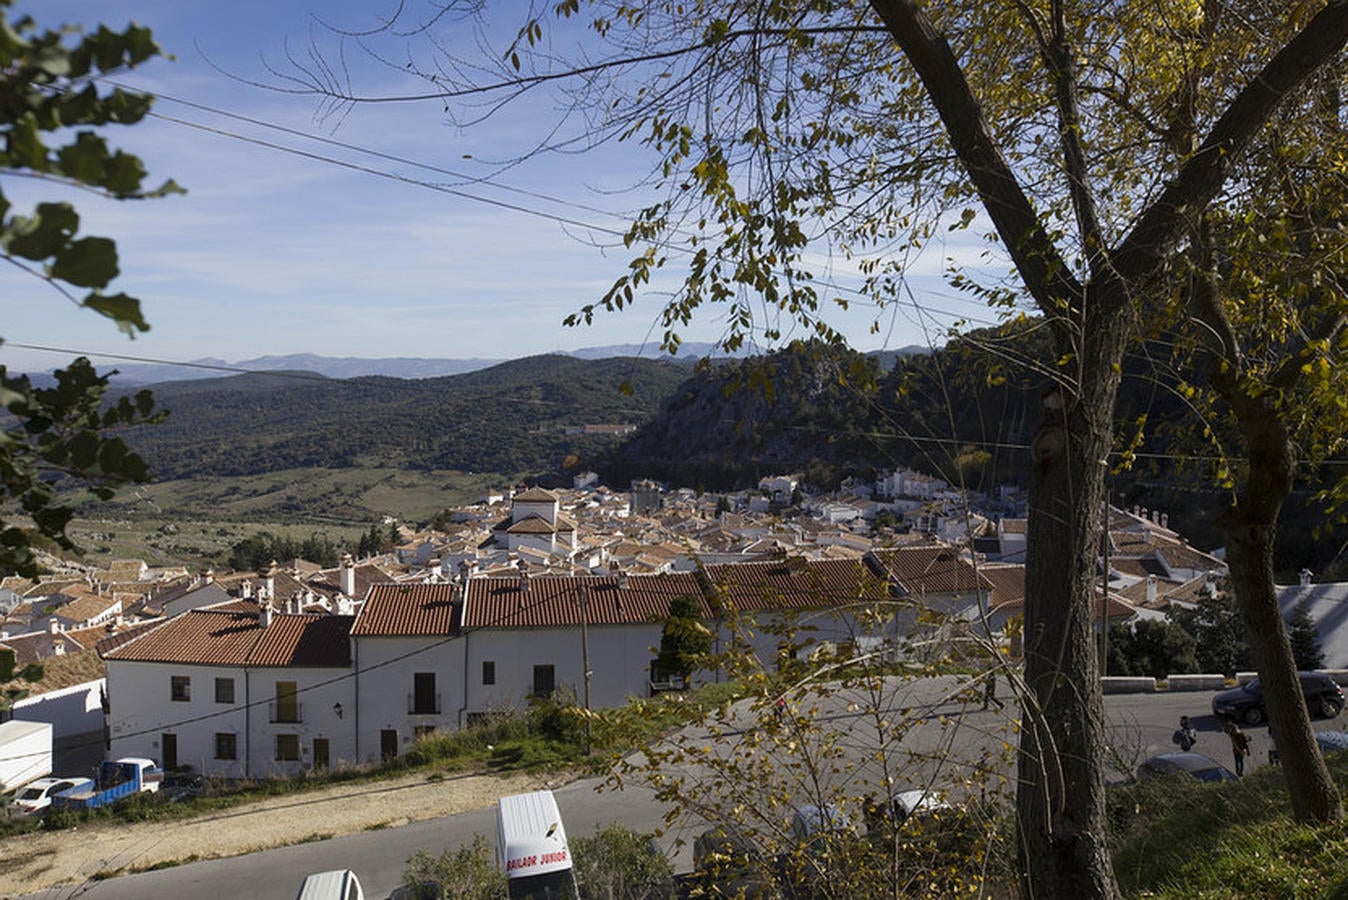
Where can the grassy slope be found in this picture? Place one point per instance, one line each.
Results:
(1180, 839)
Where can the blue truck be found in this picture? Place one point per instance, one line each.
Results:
(116, 779)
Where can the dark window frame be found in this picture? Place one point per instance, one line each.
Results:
(226, 745)
(224, 690)
(488, 671)
(180, 688)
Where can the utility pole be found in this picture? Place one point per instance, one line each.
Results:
(1104, 595)
(585, 658)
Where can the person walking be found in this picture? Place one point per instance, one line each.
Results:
(1185, 736)
(1240, 745)
(990, 691)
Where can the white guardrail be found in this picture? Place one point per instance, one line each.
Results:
(1140, 684)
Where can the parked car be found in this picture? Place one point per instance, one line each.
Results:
(727, 863)
(179, 786)
(1331, 741)
(1323, 697)
(821, 834)
(1181, 762)
(37, 796)
(339, 884)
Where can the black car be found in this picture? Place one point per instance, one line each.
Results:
(1195, 765)
(1323, 697)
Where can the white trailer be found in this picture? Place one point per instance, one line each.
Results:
(532, 845)
(25, 753)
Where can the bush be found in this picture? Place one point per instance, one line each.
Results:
(617, 863)
(469, 873)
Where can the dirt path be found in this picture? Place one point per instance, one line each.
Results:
(31, 862)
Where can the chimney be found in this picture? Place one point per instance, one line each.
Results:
(269, 580)
(346, 576)
(265, 615)
(1151, 590)
(1304, 577)
(53, 627)
(1165, 520)
(58, 646)
(208, 576)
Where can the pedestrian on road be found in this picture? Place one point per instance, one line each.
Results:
(990, 691)
(1185, 735)
(1240, 745)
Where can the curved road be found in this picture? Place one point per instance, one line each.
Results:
(1140, 725)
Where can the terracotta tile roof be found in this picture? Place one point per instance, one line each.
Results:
(408, 609)
(532, 525)
(535, 495)
(304, 640)
(554, 600)
(230, 638)
(1008, 583)
(86, 609)
(794, 583)
(108, 643)
(1014, 526)
(930, 569)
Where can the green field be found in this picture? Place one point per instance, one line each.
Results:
(196, 521)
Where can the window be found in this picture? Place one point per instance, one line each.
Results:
(287, 747)
(489, 671)
(286, 706)
(224, 690)
(424, 699)
(180, 687)
(421, 731)
(226, 745)
(545, 680)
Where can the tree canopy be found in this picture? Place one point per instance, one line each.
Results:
(55, 99)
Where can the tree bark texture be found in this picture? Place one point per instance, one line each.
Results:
(1250, 525)
(1060, 796)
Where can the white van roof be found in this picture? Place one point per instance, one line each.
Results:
(532, 837)
(338, 884)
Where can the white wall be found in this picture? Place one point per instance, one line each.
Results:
(141, 711)
(620, 658)
(385, 676)
(70, 711)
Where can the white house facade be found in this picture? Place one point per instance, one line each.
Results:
(234, 691)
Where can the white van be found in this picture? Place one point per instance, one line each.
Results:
(339, 884)
(531, 842)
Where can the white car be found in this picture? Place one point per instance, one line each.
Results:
(37, 796)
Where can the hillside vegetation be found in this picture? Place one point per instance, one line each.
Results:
(510, 418)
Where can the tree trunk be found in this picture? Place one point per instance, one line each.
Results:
(1250, 525)
(1060, 797)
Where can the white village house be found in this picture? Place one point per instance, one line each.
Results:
(238, 690)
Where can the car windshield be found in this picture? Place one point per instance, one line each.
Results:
(31, 794)
(1251, 686)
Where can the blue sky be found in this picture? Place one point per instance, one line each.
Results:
(271, 252)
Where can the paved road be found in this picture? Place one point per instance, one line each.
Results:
(1139, 725)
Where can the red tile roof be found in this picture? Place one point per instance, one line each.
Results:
(795, 583)
(554, 600)
(408, 609)
(233, 638)
(930, 569)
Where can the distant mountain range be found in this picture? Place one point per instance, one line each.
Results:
(411, 367)
(357, 367)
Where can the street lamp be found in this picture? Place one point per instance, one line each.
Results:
(337, 708)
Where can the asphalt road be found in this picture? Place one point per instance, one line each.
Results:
(944, 734)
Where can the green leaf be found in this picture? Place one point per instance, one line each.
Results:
(124, 310)
(89, 262)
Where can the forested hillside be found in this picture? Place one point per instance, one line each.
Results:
(509, 418)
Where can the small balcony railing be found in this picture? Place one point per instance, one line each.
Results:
(423, 706)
